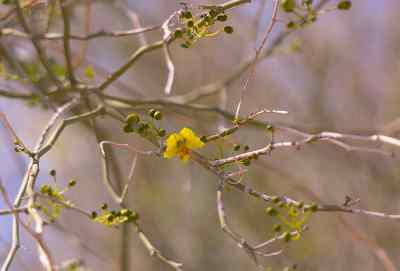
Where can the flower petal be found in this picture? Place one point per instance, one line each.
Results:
(192, 141)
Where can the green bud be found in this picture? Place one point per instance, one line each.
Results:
(277, 228)
(222, 17)
(93, 214)
(275, 199)
(157, 115)
(104, 206)
(291, 25)
(128, 128)
(190, 24)
(44, 189)
(110, 218)
(71, 183)
(213, 13)
(228, 29)
(161, 132)
(271, 211)
(178, 34)
(185, 45)
(288, 5)
(132, 118)
(246, 148)
(52, 172)
(187, 15)
(236, 147)
(344, 5)
(125, 212)
(152, 112)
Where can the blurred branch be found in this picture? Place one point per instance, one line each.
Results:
(67, 50)
(271, 25)
(16, 95)
(94, 35)
(39, 50)
(84, 45)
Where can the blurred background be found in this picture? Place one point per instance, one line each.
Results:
(339, 74)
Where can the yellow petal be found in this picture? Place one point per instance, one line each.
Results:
(172, 145)
(172, 140)
(192, 141)
(169, 153)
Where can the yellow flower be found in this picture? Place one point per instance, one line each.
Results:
(181, 143)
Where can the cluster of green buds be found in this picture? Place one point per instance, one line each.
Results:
(54, 200)
(146, 128)
(197, 27)
(304, 11)
(292, 217)
(114, 217)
